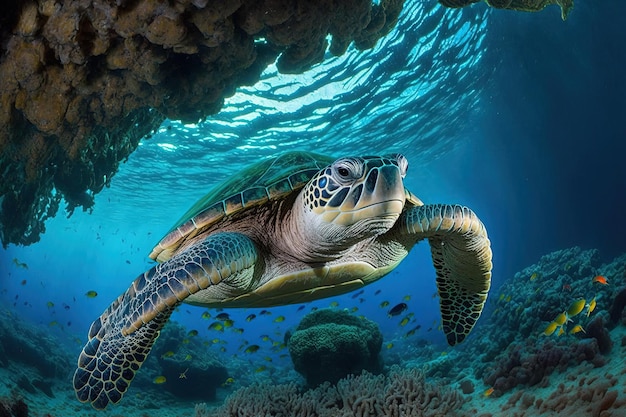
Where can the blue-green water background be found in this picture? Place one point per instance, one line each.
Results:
(519, 116)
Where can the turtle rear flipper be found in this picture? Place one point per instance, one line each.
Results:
(461, 254)
(120, 339)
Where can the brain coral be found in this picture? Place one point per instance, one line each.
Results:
(330, 344)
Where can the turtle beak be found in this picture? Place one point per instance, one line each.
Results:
(379, 195)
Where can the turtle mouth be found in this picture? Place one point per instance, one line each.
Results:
(385, 212)
(387, 203)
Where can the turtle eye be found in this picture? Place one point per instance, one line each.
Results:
(403, 164)
(348, 169)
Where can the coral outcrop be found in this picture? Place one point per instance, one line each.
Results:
(330, 344)
(32, 347)
(532, 362)
(13, 408)
(191, 373)
(194, 379)
(82, 81)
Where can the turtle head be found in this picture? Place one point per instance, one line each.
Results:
(355, 198)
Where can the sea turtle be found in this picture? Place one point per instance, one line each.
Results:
(294, 228)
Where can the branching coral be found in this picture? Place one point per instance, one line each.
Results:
(81, 82)
(404, 392)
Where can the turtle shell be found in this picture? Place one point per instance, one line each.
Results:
(271, 179)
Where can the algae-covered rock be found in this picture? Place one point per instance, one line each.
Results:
(328, 345)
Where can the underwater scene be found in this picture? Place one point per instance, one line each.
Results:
(312, 208)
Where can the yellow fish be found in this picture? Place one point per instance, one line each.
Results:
(228, 323)
(159, 379)
(501, 297)
(167, 354)
(405, 321)
(252, 349)
(488, 392)
(206, 315)
(228, 382)
(550, 329)
(279, 319)
(507, 299)
(192, 333)
(406, 297)
(260, 368)
(561, 319)
(561, 331)
(576, 329)
(188, 357)
(576, 308)
(384, 304)
(216, 326)
(534, 276)
(50, 304)
(591, 306)
(334, 304)
(91, 294)
(389, 345)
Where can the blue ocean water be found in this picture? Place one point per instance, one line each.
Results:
(519, 116)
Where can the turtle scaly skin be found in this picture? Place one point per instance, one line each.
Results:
(296, 228)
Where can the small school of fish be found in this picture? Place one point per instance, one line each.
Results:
(559, 324)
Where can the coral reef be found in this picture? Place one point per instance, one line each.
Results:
(191, 373)
(617, 308)
(329, 344)
(532, 362)
(403, 392)
(33, 347)
(515, 350)
(529, 301)
(596, 329)
(13, 408)
(195, 379)
(81, 82)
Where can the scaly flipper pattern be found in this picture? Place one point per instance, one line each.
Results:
(461, 254)
(121, 338)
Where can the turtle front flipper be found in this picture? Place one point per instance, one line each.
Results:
(461, 254)
(121, 338)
